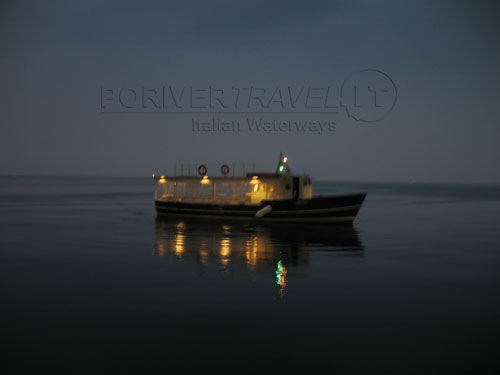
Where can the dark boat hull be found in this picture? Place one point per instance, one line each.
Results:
(326, 208)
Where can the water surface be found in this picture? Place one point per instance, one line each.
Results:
(92, 282)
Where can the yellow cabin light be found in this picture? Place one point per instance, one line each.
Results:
(256, 187)
(254, 180)
(162, 180)
(205, 180)
(285, 159)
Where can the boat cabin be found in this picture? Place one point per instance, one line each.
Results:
(253, 188)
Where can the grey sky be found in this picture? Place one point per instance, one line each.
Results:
(443, 57)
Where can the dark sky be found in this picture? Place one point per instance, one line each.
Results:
(443, 57)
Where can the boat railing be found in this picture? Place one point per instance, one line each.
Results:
(223, 169)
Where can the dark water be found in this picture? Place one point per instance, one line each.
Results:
(91, 283)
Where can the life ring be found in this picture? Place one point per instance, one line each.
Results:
(202, 170)
(224, 169)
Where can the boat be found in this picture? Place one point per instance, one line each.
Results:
(280, 196)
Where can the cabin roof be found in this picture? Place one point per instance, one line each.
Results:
(263, 174)
(220, 178)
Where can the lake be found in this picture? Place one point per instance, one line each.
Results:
(92, 282)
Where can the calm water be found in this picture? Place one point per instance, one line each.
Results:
(91, 282)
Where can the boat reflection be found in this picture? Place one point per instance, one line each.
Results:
(258, 247)
(254, 245)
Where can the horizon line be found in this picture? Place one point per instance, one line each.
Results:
(319, 179)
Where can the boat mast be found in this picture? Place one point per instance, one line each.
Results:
(283, 167)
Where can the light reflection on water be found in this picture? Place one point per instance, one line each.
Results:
(259, 246)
